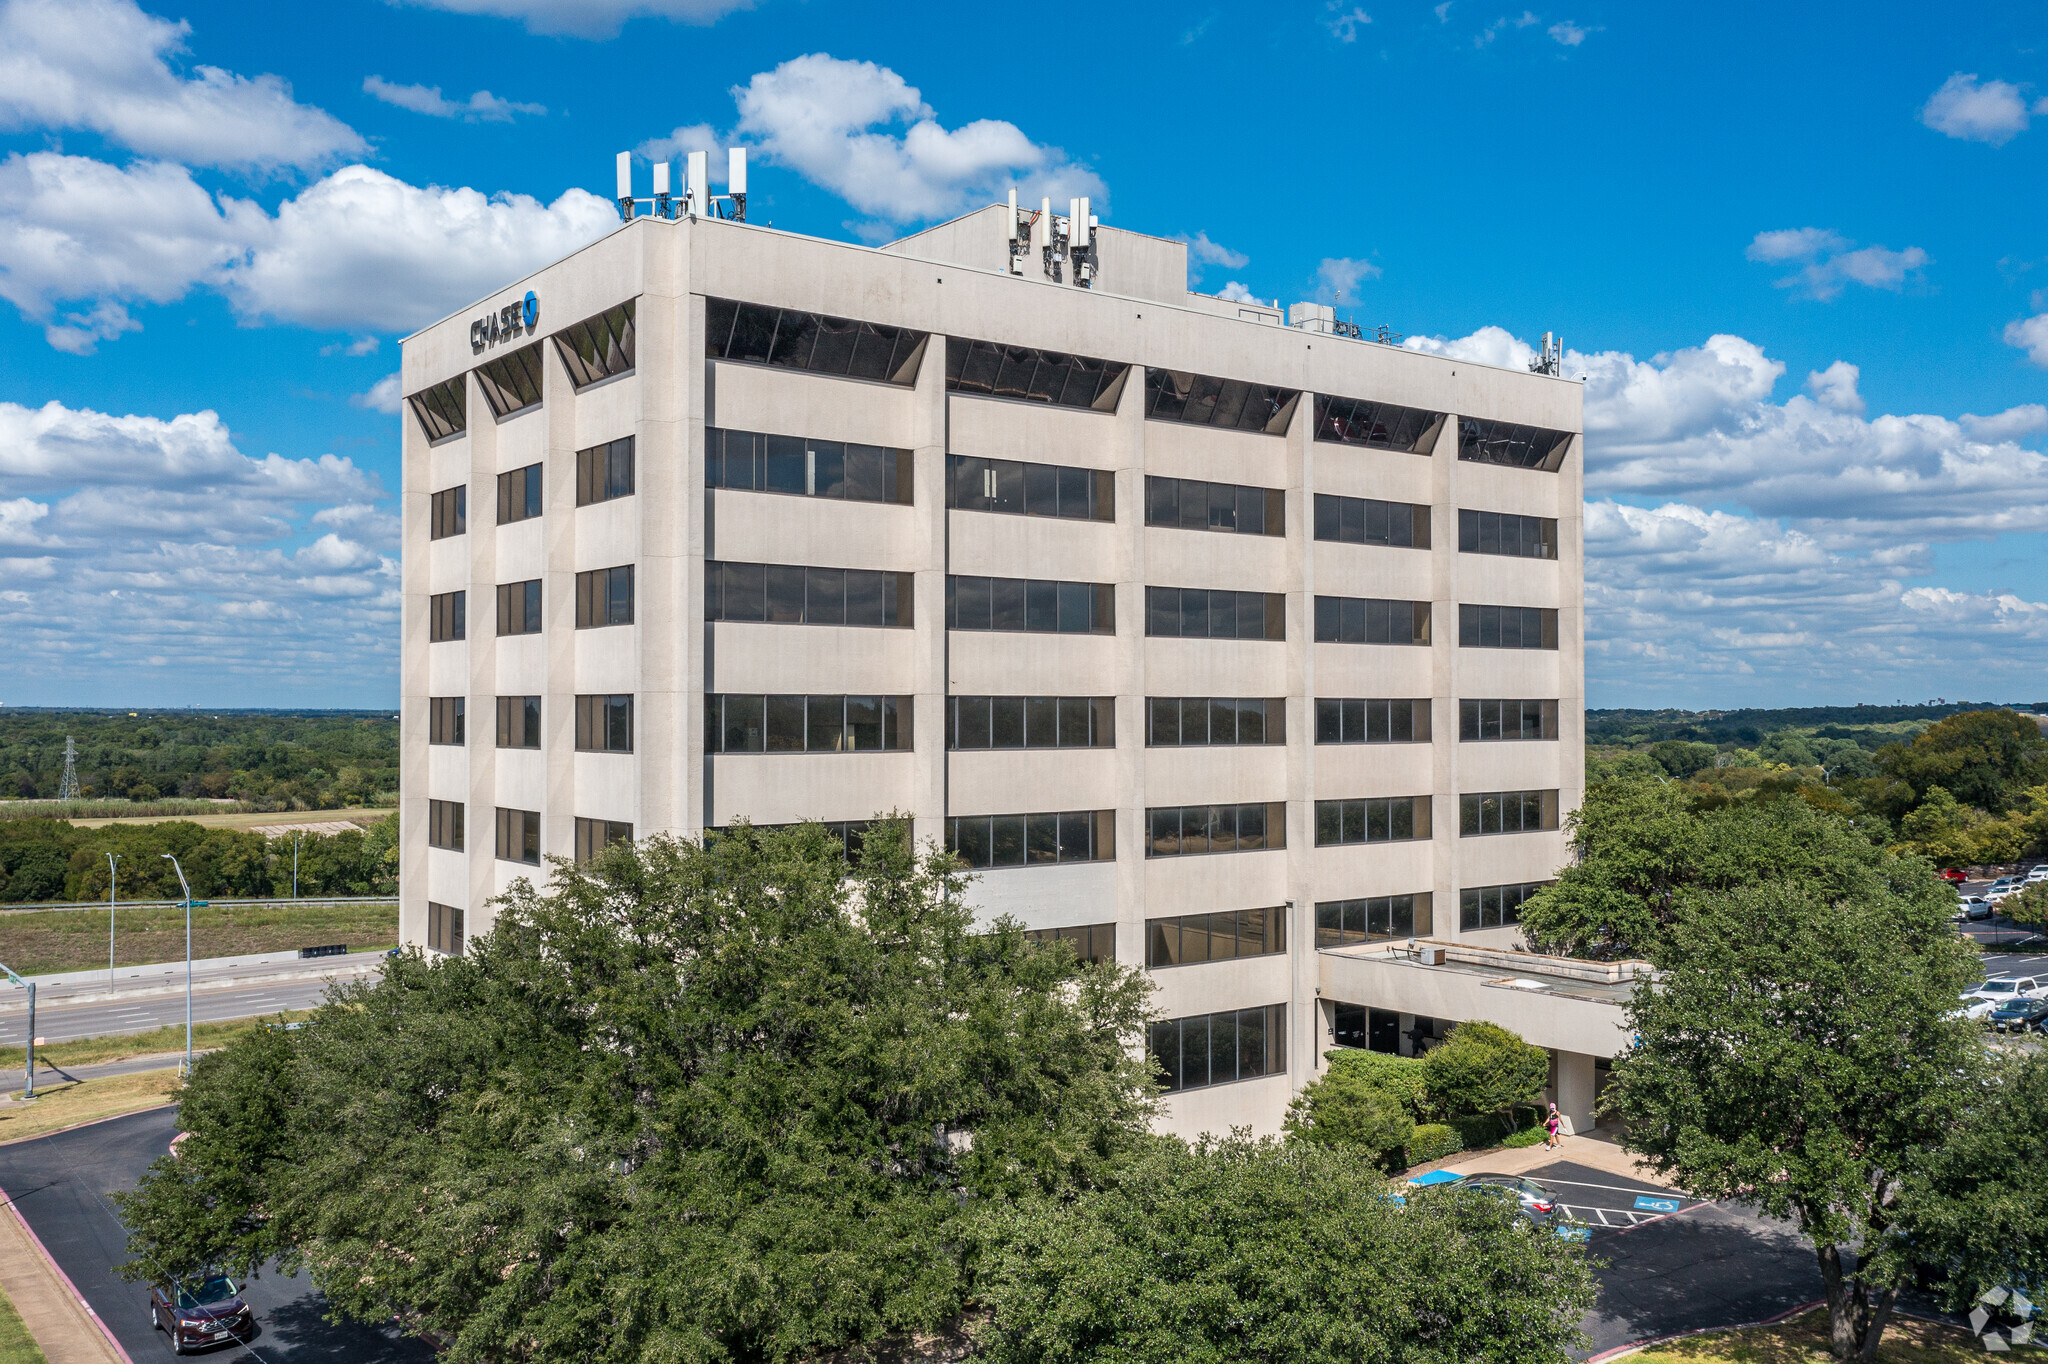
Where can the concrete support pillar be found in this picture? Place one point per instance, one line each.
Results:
(1575, 1088)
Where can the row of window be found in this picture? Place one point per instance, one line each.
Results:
(806, 724)
(1212, 613)
(1365, 521)
(791, 595)
(1037, 839)
(1212, 721)
(1185, 939)
(1506, 812)
(1215, 1049)
(1188, 830)
(517, 840)
(593, 349)
(1032, 605)
(977, 722)
(1494, 906)
(1377, 918)
(1191, 504)
(1381, 819)
(603, 472)
(803, 466)
(1022, 488)
(1372, 720)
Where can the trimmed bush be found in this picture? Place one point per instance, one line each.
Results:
(1528, 1136)
(1433, 1141)
(1342, 1108)
(1484, 1068)
(1476, 1131)
(1401, 1076)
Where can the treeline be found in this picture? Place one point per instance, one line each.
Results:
(48, 860)
(1740, 728)
(276, 760)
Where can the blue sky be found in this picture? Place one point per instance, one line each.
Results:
(1798, 252)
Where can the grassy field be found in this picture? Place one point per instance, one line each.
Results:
(65, 1105)
(17, 1346)
(88, 1051)
(247, 819)
(46, 941)
(1804, 1340)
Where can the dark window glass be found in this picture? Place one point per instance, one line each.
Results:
(812, 342)
(1521, 447)
(449, 513)
(446, 617)
(1507, 627)
(519, 722)
(444, 824)
(739, 723)
(519, 495)
(1209, 613)
(1031, 375)
(1090, 942)
(442, 411)
(1004, 840)
(1371, 620)
(1372, 720)
(1362, 521)
(793, 595)
(519, 608)
(1494, 906)
(1193, 505)
(604, 472)
(444, 929)
(1215, 1049)
(1024, 489)
(1524, 537)
(1357, 421)
(511, 383)
(604, 724)
(1177, 831)
(1178, 396)
(1184, 721)
(598, 347)
(1378, 919)
(1506, 812)
(445, 717)
(1375, 820)
(806, 466)
(519, 836)
(593, 836)
(1030, 605)
(1512, 720)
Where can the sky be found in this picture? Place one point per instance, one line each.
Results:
(1799, 255)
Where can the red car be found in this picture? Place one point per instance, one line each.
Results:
(207, 1312)
(1953, 877)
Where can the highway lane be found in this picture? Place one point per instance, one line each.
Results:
(64, 1022)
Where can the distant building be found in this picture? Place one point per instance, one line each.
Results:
(1215, 643)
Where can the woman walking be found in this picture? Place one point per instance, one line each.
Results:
(1553, 1124)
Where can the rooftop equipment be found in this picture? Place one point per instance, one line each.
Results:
(695, 199)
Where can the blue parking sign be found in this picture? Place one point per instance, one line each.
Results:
(1646, 1204)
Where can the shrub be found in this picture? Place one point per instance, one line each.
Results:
(1401, 1076)
(1485, 1069)
(1528, 1136)
(1433, 1141)
(1342, 1108)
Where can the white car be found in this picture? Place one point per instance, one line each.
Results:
(2039, 873)
(1972, 907)
(1978, 1003)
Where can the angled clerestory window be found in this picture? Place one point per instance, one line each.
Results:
(1173, 395)
(813, 342)
(1522, 447)
(1381, 426)
(441, 410)
(598, 347)
(511, 383)
(1031, 375)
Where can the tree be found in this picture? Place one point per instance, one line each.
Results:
(1682, 759)
(1241, 1250)
(2028, 907)
(1484, 1069)
(1343, 1108)
(1802, 1053)
(732, 1101)
(1985, 758)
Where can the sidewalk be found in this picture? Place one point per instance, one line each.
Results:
(1597, 1151)
(61, 1324)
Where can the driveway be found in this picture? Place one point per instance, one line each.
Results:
(60, 1184)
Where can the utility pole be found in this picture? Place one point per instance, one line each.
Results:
(295, 865)
(186, 1070)
(67, 785)
(28, 1089)
(112, 869)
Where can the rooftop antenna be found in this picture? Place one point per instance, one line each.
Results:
(67, 785)
(736, 181)
(700, 184)
(626, 187)
(661, 188)
(1081, 243)
(1551, 361)
(1017, 235)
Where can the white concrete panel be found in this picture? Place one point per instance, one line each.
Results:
(787, 788)
(1212, 986)
(750, 657)
(522, 784)
(1060, 896)
(1385, 475)
(607, 659)
(1345, 570)
(448, 873)
(1258, 1104)
(997, 545)
(1030, 781)
(607, 410)
(791, 403)
(1529, 765)
(1215, 776)
(1205, 882)
(607, 787)
(522, 439)
(447, 563)
(991, 663)
(1524, 674)
(779, 528)
(447, 671)
(1216, 667)
(1510, 859)
(1374, 670)
(1497, 580)
(1179, 450)
(1348, 771)
(448, 771)
(446, 461)
(1212, 559)
(521, 551)
(521, 662)
(996, 428)
(608, 533)
(1369, 869)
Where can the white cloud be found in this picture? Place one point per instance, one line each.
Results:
(1203, 253)
(100, 66)
(480, 107)
(1344, 23)
(1443, 12)
(1234, 292)
(382, 397)
(362, 345)
(2010, 424)
(1830, 264)
(1991, 111)
(1835, 387)
(1338, 278)
(829, 121)
(693, 137)
(166, 542)
(81, 333)
(1568, 34)
(587, 18)
(1494, 29)
(2030, 335)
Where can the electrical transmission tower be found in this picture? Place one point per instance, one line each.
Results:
(67, 786)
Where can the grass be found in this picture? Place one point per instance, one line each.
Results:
(1804, 1340)
(101, 811)
(17, 1346)
(66, 1105)
(88, 1051)
(42, 941)
(241, 817)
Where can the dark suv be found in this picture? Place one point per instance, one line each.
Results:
(200, 1312)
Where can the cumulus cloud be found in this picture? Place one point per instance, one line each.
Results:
(480, 107)
(1234, 292)
(834, 121)
(1344, 23)
(1986, 111)
(102, 66)
(1203, 253)
(1830, 263)
(1338, 278)
(1835, 387)
(357, 250)
(1568, 34)
(2030, 335)
(693, 137)
(587, 18)
(2010, 424)
(382, 397)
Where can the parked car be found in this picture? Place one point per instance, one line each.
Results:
(1973, 907)
(2039, 873)
(2003, 885)
(1953, 877)
(198, 1314)
(2020, 1015)
(1979, 1003)
(1534, 1201)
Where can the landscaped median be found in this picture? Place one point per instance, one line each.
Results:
(1804, 1340)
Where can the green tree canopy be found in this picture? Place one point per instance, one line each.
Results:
(1803, 1053)
(1484, 1069)
(1243, 1250)
(1985, 758)
(1682, 759)
(1343, 1107)
(692, 1103)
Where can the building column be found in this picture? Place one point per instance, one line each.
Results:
(1575, 1088)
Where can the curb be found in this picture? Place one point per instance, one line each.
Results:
(89, 1122)
(1621, 1351)
(63, 1278)
(201, 986)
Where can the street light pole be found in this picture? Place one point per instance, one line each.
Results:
(112, 858)
(187, 888)
(28, 1088)
(295, 866)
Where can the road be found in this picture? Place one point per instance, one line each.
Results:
(79, 1005)
(60, 1184)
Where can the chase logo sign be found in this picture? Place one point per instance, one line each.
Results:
(512, 320)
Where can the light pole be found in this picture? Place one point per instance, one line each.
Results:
(112, 858)
(28, 1089)
(187, 887)
(295, 865)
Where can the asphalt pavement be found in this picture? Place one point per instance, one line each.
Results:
(61, 1182)
(80, 1004)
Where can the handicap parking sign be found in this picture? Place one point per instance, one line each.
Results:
(1646, 1204)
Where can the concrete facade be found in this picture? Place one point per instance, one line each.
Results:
(954, 281)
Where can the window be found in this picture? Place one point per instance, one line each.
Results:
(1372, 720)
(1483, 721)
(1215, 1049)
(444, 929)
(449, 512)
(511, 383)
(519, 722)
(441, 410)
(604, 724)
(1025, 489)
(1091, 942)
(1379, 919)
(519, 608)
(802, 466)
(1363, 521)
(787, 594)
(1357, 1025)
(1173, 395)
(1204, 613)
(977, 722)
(1198, 721)
(593, 836)
(519, 836)
(1185, 830)
(604, 472)
(1507, 627)
(1033, 376)
(742, 723)
(1191, 504)
(1523, 447)
(1034, 605)
(1189, 938)
(1506, 812)
(1521, 537)
(848, 833)
(604, 596)
(1358, 421)
(446, 617)
(598, 347)
(1371, 620)
(1033, 840)
(1493, 906)
(445, 719)
(444, 824)
(1395, 819)
(519, 495)
(811, 342)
